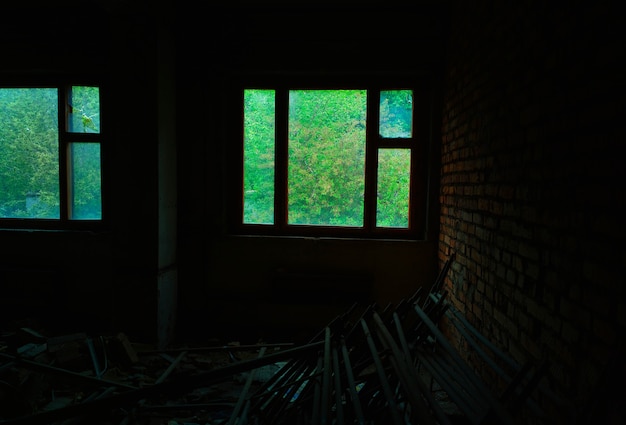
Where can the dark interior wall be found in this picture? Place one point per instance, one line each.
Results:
(292, 288)
(167, 280)
(124, 277)
(119, 278)
(532, 197)
(241, 295)
(104, 280)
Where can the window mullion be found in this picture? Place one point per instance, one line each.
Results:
(371, 159)
(421, 135)
(64, 172)
(281, 159)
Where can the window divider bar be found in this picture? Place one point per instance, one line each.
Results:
(419, 177)
(64, 171)
(371, 159)
(281, 158)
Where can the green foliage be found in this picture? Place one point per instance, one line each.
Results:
(29, 165)
(86, 199)
(85, 116)
(327, 157)
(396, 108)
(393, 187)
(326, 162)
(259, 142)
(29, 153)
(85, 157)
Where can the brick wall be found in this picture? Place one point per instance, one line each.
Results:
(532, 188)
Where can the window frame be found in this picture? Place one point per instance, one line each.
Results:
(66, 138)
(418, 143)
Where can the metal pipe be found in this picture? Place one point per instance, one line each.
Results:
(356, 402)
(381, 375)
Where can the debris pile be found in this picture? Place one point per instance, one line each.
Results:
(77, 378)
(368, 366)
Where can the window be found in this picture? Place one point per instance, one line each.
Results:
(50, 156)
(337, 161)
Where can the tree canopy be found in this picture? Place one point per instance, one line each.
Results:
(29, 152)
(326, 157)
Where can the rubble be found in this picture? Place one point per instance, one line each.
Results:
(368, 366)
(61, 373)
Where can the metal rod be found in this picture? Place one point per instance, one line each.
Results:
(407, 375)
(338, 389)
(94, 358)
(281, 396)
(64, 372)
(442, 274)
(381, 375)
(171, 368)
(434, 404)
(445, 344)
(327, 369)
(356, 402)
(282, 374)
(217, 348)
(244, 392)
(317, 394)
(444, 381)
(243, 420)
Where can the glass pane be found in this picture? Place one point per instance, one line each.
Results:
(396, 113)
(394, 177)
(86, 193)
(84, 115)
(326, 168)
(29, 153)
(258, 157)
